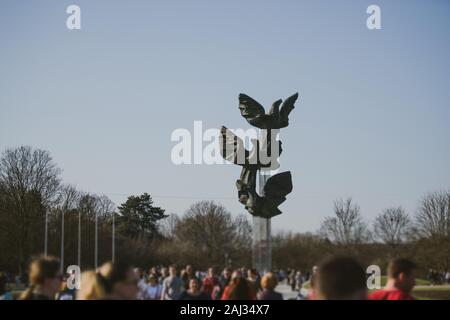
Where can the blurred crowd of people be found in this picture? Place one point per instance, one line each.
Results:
(336, 278)
(438, 277)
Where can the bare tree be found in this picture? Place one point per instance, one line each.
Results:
(346, 227)
(30, 183)
(243, 230)
(433, 215)
(309, 249)
(392, 226)
(432, 225)
(68, 198)
(88, 205)
(208, 230)
(105, 208)
(24, 170)
(168, 225)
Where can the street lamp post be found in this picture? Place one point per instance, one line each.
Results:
(62, 241)
(46, 234)
(113, 238)
(79, 239)
(96, 240)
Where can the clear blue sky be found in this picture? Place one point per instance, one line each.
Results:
(372, 119)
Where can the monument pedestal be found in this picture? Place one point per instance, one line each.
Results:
(261, 236)
(261, 245)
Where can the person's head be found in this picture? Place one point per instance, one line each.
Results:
(401, 274)
(251, 273)
(211, 272)
(45, 275)
(189, 270)
(194, 285)
(226, 273)
(236, 274)
(239, 288)
(269, 281)
(173, 270)
(152, 281)
(120, 280)
(138, 273)
(154, 271)
(340, 278)
(164, 272)
(91, 287)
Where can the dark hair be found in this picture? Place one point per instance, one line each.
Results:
(40, 269)
(339, 277)
(112, 273)
(194, 279)
(253, 271)
(239, 289)
(398, 266)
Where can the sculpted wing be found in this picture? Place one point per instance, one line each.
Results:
(232, 147)
(252, 111)
(286, 108)
(275, 191)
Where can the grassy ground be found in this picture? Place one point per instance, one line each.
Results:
(424, 291)
(432, 293)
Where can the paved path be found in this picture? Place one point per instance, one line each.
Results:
(287, 293)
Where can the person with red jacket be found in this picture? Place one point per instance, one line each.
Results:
(238, 289)
(209, 282)
(400, 282)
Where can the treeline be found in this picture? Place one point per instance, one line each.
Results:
(33, 198)
(31, 193)
(423, 237)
